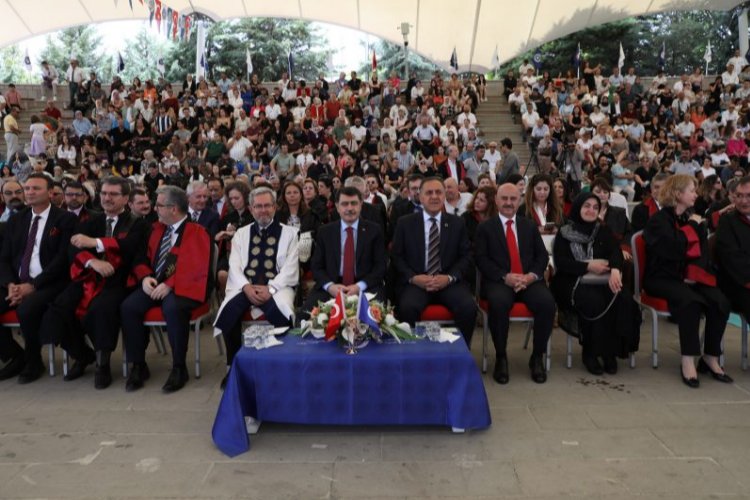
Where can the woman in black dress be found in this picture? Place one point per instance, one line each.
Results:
(238, 216)
(588, 284)
(677, 270)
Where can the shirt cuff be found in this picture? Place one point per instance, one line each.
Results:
(327, 285)
(99, 245)
(362, 286)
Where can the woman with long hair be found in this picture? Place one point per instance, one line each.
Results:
(710, 191)
(239, 215)
(542, 205)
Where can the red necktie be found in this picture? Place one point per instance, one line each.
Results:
(515, 258)
(348, 276)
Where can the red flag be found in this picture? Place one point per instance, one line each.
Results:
(175, 17)
(374, 61)
(187, 26)
(338, 315)
(158, 15)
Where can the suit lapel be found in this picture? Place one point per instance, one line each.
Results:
(337, 248)
(445, 230)
(420, 242)
(361, 235)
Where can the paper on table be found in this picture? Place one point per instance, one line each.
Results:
(266, 341)
(448, 336)
(280, 330)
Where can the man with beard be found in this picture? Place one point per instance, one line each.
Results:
(75, 201)
(140, 205)
(263, 271)
(13, 199)
(102, 253)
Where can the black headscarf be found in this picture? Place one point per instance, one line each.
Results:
(579, 233)
(575, 213)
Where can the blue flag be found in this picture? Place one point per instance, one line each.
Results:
(577, 57)
(454, 59)
(365, 317)
(663, 56)
(538, 59)
(290, 64)
(120, 63)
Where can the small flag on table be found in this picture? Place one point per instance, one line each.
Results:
(364, 315)
(338, 315)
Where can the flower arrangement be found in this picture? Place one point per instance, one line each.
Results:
(354, 320)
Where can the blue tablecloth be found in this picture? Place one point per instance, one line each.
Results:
(307, 381)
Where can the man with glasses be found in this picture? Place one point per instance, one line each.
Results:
(75, 201)
(102, 252)
(263, 273)
(33, 271)
(172, 272)
(13, 199)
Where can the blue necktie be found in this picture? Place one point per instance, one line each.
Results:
(164, 247)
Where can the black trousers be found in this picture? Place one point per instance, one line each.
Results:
(230, 321)
(457, 298)
(30, 312)
(101, 322)
(176, 311)
(686, 305)
(537, 298)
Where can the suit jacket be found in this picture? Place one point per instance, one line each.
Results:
(641, 213)
(732, 249)
(399, 208)
(210, 222)
(491, 247)
(408, 252)
(444, 171)
(369, 263)
(52, 252)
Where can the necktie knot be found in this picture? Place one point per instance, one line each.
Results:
(349, 230)
(509, 224)
(196, 216)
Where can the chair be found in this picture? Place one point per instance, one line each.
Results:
(519, 313)
(655, 305)
(9, 319)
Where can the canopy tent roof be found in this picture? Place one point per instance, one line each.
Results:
(474, 27)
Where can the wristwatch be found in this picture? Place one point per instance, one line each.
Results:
(272, 290)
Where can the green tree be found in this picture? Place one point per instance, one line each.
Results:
(12, 69)
(83, 42)
(269, 41)
(390, 58)
(141, 55)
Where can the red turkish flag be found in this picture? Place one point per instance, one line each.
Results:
(157, 14)
(374, 61)
(175, 17)
(338, 314)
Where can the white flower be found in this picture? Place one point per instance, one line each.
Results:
(390, 320)
(352, 299)
(322, 318)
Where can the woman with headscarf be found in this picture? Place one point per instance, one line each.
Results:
(588, 286)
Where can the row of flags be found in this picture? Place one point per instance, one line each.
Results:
(176, 25)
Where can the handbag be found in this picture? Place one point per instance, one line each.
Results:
(595, 279)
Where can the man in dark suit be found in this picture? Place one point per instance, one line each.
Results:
(348, 254)
(173, 272)
(511, 257)
(102, 253)
(405, 206)
(451, 167)
(431, 254)
(732, 249)
(33, 270)
(197, 192)
(13, 200)
(644, 210)
(75, 201)
(368, 211)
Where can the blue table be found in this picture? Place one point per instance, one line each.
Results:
(308, 381)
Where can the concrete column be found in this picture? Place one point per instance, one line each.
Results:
(742, 29)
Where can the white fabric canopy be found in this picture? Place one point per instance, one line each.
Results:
(474, 27)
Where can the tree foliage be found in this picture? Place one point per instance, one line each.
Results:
(269, 40)
(141, 55)
(12, 69)
(390, 57)
(84, 43)
(684, 35)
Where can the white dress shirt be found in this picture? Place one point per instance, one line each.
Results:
(35, 266)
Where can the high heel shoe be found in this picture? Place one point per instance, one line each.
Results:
(721, 377)
(693, 383)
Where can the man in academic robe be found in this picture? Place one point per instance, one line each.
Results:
(33, 270)
(263, 273)
(172, 272)
(102, 254)
(644, 210)
(75, 201)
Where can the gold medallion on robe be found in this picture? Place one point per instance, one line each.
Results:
(270, 252)
(254, 263)
(256, 240)
(255, 251)
(268, 264)
(270, 275)
(271, 241)
(250, 273)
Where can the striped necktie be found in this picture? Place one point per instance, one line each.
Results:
(433, 248)
(164, 247)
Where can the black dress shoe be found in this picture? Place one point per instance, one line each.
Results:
(13, 368)
(102, 377)
(693, 383)
(138, 375)
(538, 373)
(610, 364)
(721, 377)
(592, 365)
(79, 366)
(31, 372)
(176, 380)
(500, 373)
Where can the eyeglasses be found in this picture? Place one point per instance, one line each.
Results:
(11, 193)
